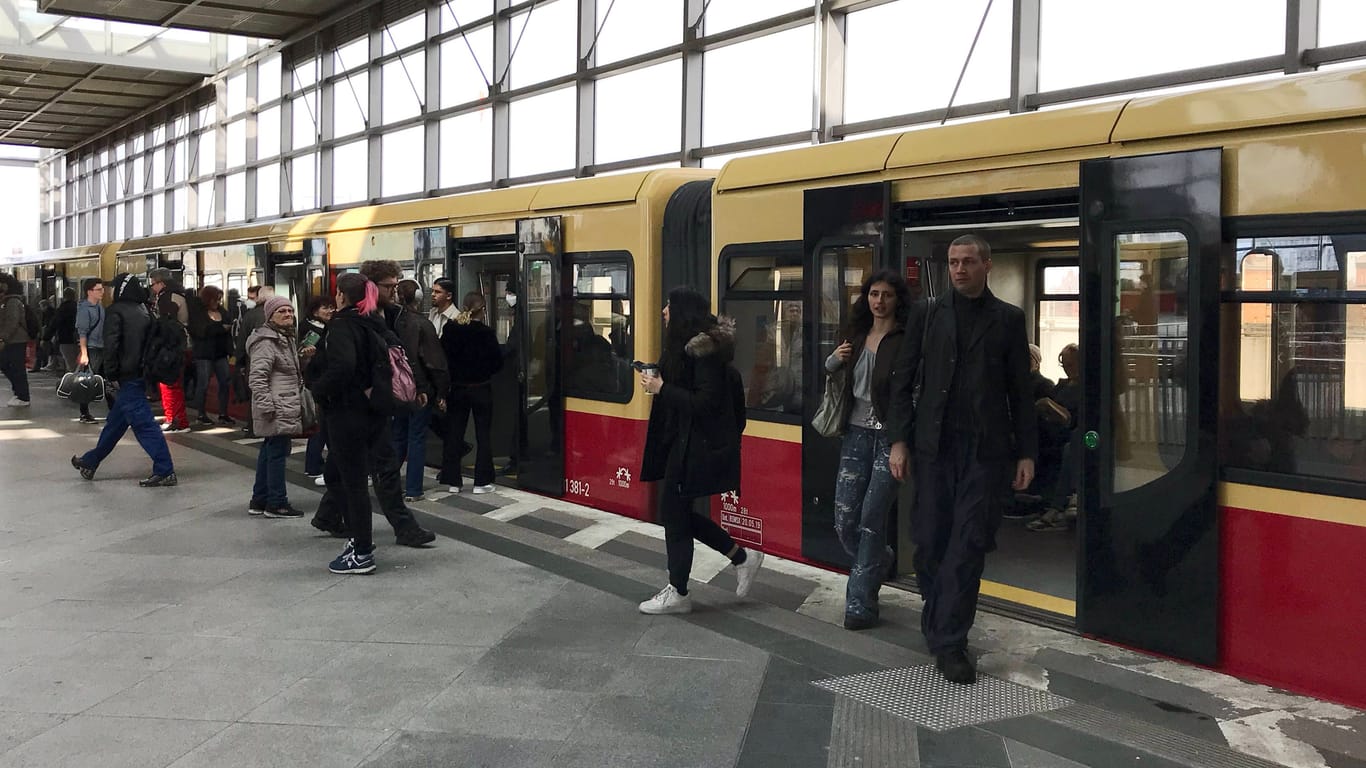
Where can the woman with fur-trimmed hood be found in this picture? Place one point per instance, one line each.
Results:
(276, 408)
(692, 444)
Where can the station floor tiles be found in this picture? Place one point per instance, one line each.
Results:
(165, 627)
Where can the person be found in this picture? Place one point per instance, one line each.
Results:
(127, 323)
(252, 318)
(1058, 425)
(42, 350)
(314, 330)
(339, 376)
(212, 346)
(169, 302)
(473, 356)
(1024, 504)
(90, 314)
(14, 340)
(973, 429)
(864, 488)
(276, 410)
(443, 304)
(428, 362)
(692, 443)
(63, 329)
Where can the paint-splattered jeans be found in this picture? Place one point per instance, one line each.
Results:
(864, 492)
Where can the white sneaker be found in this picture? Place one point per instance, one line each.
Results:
(484, 488)
(746, 571)
(319, 481)
(15, 402)
(454, 489)
(667, 601)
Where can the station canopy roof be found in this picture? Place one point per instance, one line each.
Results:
(254, 18)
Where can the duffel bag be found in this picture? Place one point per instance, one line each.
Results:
(81, 386)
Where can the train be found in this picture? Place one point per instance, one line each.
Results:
(1206, 250)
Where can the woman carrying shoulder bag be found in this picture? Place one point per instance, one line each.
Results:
(276, 408)
(692, 444)
(864, 487)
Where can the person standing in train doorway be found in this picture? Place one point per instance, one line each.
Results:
(974, 435)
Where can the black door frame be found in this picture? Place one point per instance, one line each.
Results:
(541, 460)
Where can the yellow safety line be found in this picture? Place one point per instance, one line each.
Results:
(1030, 598)
(1308, 506)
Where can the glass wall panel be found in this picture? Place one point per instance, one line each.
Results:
(303, 183)
(268, 191)
(542, 129)
(179, 161)
(1079, 43)
(876, 46)
(637, 26)
(180, 207)
(639, 113)
(236, 199)
(403, 81)
(466, 66)
(236, 87)
(268, 133)
(402, 166)
(350, 173)
(268, 80)
(457, 13)
(544, 44)
(350, 104)
(404, 34)
(305, 129)
(351, 56)
(159, 168)
(158, 213)
(466, 149)
(1341, 21)
(139, 228)
(753, 89)
(204, 197)
(305, 74)
(208, 154)
(135, 183)
(729, 14)
(237, 144)
(716, 161)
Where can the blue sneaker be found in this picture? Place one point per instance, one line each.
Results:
(352, 562)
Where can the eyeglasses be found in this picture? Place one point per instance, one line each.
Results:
(388, 286)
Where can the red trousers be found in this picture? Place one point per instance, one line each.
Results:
(173, 404)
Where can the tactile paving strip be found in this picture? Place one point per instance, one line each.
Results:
(923, 696)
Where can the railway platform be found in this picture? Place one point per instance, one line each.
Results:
(166, 627)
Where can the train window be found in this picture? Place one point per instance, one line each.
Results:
(763, 294)
(1059, 312)
(601, 342)
(1297, 306)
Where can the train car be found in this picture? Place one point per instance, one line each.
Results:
(1207, 251)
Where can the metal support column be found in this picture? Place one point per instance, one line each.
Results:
(327, 96)
(1301, 34)
(253, 100)
(374, 114)
(1024, 63)
(585, 137)
(502, 125)
(691, 135)
(828, 108)
(431, 164)
(220, 154)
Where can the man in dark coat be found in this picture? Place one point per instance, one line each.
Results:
(973, 433)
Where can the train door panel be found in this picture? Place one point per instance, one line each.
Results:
(1149, 571)
(488, 266)
(540, 247)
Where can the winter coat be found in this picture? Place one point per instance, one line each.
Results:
(693, 440)
(275, 379)
(472, 353)
(63, 326)
(883, 366)
(342, 368)
(423, 348)
(125, 330)
(12, 330)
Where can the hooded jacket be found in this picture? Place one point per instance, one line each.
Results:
(274, 378)
(472, 353)
(125, 329)
(693, 438)
(423, 348)
(12, 330)
(340, 371)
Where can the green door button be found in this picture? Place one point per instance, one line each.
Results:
(1092, 439)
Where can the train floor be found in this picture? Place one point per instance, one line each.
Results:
(166, 627)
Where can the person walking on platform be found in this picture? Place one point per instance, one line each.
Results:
(90, 314)
(864, 487)
(473, 354)
(428, 362)
(169, 301)
(63, 330)
(212, 346)
(692, 443)
(14, 339)
(276, 408)
(974, 436)
(127, 324)
(339, 375)
(311, 334)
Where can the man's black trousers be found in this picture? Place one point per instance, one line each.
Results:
(359, 445)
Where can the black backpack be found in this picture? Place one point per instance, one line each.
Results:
(32, 326)
(163, 352)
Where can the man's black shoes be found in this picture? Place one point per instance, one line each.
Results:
(157, 481)
(857, 623)
(86, 472)
(956, 667)
(416, 536)
(335, 530)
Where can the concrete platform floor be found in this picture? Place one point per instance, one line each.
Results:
(165, 627)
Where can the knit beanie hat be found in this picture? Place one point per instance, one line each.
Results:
(274, 303)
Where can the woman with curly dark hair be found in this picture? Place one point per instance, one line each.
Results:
(212, 346)
(865, 488)
(692, 443)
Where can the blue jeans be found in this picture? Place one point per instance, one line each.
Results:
(270, 471)
(864, 491)
(313, 457)
(131, 411)
(410, 443)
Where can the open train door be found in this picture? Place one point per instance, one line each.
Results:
(540, 250)
(1149, 571)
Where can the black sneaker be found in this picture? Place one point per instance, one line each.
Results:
(336, 531)
(204, 420)
(88, 419)
(256, 507)
(87, 473)
(956, 667)
(859, 623)
(286, 511)
(159, 481)
(416, 536)
(226, 420)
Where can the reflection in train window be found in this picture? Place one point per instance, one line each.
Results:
(763, 295)
(1298, 312)
(601, 345)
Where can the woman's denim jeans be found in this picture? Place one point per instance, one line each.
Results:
(864, 492)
